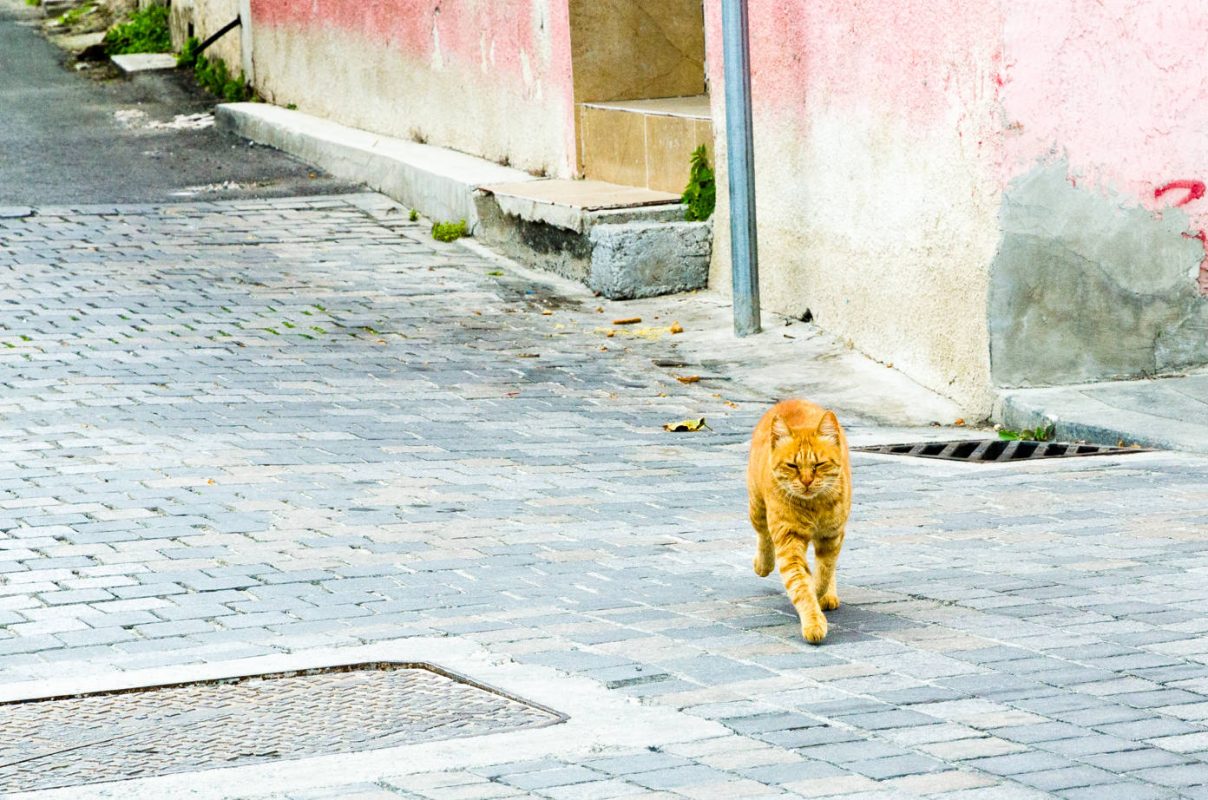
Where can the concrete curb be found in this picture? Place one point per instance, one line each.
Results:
(438, 183)
(1094, 414)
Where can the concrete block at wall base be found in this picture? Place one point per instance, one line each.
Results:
(649, 259)
(439, 183)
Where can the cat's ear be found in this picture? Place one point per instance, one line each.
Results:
(780, 432)
(828, 428)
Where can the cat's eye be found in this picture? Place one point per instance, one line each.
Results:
(791, 465)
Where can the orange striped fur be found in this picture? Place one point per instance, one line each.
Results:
(799, 482)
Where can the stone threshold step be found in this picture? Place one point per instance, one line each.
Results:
(695, 107)
(570, 204)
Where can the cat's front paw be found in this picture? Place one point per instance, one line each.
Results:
(814, 630)
(764, 567)
(829, 601)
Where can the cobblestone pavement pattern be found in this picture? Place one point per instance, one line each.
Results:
(253, 427)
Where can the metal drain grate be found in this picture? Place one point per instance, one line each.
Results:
(111, 736)
(997, 451)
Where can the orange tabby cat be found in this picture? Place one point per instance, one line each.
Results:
(799, 481)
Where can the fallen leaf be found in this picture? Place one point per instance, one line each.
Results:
(676, 328)
(546, 313)
(528, 355)
(688, 378)
(685, 425)
(627, 321)
(599, 309)
(889, 365)
(611, 334)
(960, 423)
(495, 273)
(211, 481)
(603, 349)
(731, 404)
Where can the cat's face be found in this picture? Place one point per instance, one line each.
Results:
(807, 463)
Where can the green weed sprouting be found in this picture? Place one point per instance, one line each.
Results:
(700, 195)
(449, 231)
(145, 31)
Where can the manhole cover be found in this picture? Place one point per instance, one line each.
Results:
(110, 736)
(997, 451)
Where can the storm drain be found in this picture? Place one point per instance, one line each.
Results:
(996, 450)
(111, 736)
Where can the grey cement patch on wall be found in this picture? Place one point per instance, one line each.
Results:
(1086, 287)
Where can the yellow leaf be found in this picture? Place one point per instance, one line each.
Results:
(685, 425)
(688, 378)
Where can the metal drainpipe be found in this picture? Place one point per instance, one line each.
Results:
(744, 251)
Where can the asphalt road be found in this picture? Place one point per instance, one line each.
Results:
(66, 138)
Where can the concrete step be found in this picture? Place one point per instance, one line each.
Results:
(622, 241)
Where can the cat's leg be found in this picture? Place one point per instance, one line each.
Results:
(826, 555)
(765, 554)
(790, 559)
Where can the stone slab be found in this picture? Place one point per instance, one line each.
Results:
(144, 62)
(567, 204)
(694, 107)
(437, 182)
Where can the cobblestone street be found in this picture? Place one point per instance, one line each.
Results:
(265, 428)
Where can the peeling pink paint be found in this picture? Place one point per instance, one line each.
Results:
(506, 32)
(917, 59)
(1114, 86)
(489, 77)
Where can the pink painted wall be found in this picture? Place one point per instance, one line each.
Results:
(878, 150)
(489, 77)
(1118, 89)
(890, 137)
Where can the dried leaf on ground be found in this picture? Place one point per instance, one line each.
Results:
(627, 321)
(686, 425)
(688, 378)
(676, 328)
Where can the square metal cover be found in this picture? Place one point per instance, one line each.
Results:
(158, 730)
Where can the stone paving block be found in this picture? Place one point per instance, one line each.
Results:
(543, 779)
(792, 772)
(1120, 789)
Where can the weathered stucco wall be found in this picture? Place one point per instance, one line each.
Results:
(1099, 274)
(878, 153)
(984, 194)
(487, 77)
(206, 18)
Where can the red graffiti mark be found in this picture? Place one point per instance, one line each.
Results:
(1202, 282)
(1195, 190)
